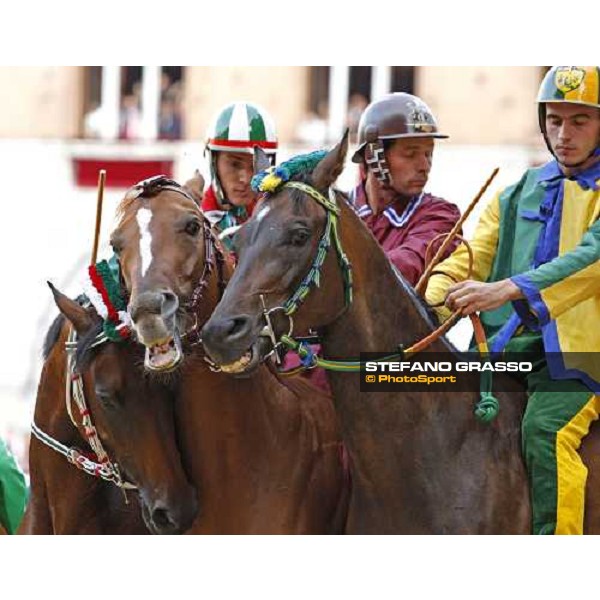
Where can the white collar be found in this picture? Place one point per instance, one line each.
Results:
(392, 215)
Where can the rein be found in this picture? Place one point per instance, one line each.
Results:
(487, 407)
(103, 467)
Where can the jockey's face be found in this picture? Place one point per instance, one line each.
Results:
(573, 132)
(409, 161)
(235, 171)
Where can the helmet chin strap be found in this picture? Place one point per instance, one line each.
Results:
(216, 182)
(376, 161)
(594, 152)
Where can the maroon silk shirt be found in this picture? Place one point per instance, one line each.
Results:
(405, 234)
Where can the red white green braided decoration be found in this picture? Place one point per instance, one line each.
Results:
(104, 292)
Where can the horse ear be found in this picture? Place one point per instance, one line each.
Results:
(331, 167)
(75, 314)
(195, 187)
(261, 160)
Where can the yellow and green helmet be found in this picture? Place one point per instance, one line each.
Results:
(574, 85)
(577, 85)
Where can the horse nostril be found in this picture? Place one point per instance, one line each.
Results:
(237, 327)
(170, 304)
(162, 520)
(149, 303)
(218, 334)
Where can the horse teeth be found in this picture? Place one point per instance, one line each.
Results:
(239, 365)
(161, 357)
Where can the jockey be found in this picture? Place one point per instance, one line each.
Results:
(236, 130)
(13, 491)
(229, 200)
(396, 138)
(536, 273)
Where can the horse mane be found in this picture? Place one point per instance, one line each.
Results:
(123, 211)
(134, 194)
(83, 353)
(425, 311)
(140, 192)
(84, 343)
(52, 335)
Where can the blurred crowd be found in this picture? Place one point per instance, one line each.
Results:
(130, 114)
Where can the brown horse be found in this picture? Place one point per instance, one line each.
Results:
(264, 456)
(421, 462)
(134, 421)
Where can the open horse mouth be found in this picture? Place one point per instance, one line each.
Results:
(247, 363)
(164, 356)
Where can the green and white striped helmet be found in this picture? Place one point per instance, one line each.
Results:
(241, 126)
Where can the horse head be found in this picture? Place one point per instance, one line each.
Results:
(289, 247)
(133, 420)
(160, 242)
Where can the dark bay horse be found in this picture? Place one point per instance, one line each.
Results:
(134, 421)
(421, 462)
(264, 456)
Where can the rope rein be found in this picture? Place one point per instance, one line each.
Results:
(487, 408)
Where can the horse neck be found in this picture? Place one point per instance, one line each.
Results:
(385, 312)
(255, 412)
(263, 384)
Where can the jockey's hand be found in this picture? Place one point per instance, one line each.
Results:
(472, 296)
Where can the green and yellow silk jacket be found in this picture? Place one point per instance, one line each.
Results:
(544, 234)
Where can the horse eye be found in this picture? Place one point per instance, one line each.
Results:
(192, 228)
(107, 398)
(298, 237)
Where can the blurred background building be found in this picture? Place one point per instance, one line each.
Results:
(479, 105)
(59, 125)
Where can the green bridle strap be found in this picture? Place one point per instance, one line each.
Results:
(332, 365)
(313, 277)
(328, 204)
